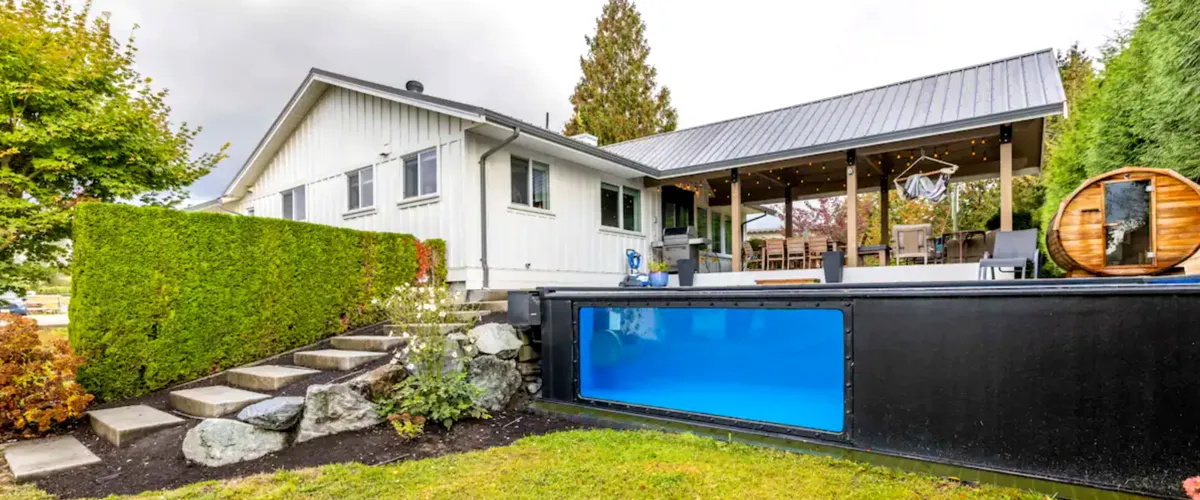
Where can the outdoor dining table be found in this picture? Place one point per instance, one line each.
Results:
(962, 237)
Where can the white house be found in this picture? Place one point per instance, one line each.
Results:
(560, 211)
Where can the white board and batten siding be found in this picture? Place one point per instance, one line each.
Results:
(565, 244)
(347, 130)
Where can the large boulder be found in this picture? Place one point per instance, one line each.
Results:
(275, 414)
(497, 339)
(378, 382)
(497, 379)
(217, 441)
(331, 409)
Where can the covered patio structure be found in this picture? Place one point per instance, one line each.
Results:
(987, 119)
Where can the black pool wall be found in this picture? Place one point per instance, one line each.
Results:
(1082, 382)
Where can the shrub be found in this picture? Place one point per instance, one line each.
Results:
(37, 381)
(163, 296)
(437, 388)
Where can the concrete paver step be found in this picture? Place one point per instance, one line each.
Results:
(376, 343)
(334, 359)
(122, 425)
(214, 401)
(443, 328)
(45, 457)
(487, 305)
(469, 314)
(266, 377)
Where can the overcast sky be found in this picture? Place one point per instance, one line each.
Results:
(231, 65)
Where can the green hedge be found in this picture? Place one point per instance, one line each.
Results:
(163, 296)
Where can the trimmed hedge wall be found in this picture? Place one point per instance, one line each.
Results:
(163, 296)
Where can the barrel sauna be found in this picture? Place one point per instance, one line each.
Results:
(1129, 222)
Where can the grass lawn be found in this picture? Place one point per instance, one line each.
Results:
(52, 334)
(595, 464)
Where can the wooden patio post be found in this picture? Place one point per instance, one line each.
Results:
(787, 211)
(851, 211)
(885, 171)
(1006, 178)
(735, 196)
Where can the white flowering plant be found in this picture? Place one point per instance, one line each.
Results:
(437, 388)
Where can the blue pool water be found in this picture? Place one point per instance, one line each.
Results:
(782, 366)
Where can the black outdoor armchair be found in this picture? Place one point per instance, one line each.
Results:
(1017, 250)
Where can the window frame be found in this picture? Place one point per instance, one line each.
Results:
(303, 203)
(358, 172)
(437, 174)
(531, 165)
(621, 190)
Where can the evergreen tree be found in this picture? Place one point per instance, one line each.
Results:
(617, 98)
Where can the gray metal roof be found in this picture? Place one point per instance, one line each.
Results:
(1018, 88)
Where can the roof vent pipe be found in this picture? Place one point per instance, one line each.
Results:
(414, 86)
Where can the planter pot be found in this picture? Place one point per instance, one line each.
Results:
(687, 272)
(658, 279)
(833, 263)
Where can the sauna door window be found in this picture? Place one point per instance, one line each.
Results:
(1127, 236)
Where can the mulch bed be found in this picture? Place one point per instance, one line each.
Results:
(155, 462)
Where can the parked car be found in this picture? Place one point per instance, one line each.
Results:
(13, 306)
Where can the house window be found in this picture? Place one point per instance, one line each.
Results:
(250, 211)
(620, 207)
(360, 186)
(421, 174)
(729, 235)
(716, 232)
(293, 203)
(530, 183)
(701, 222)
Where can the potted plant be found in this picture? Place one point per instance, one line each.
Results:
(658, 273)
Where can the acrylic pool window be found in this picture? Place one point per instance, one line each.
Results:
(781, 366)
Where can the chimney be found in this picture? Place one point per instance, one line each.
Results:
(586, 139)
(414, 86)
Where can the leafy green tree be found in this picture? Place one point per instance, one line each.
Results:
(617, 98)
(77, 123)
(1142, 108)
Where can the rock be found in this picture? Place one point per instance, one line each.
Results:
(529, 368)
(527, 353)
(459, 337)
(531, 378)
(533, 387)
(275, 414)
(378, 382)
(217, 441)
(331, 409)
(523, 336)
(498, 380)
(497, 339)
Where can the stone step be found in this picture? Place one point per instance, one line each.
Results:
(334, 359)
(375, 343)
(469, 314)
(214, 401)
(490, 306)
(482, 295)
(443, 328)
(122, 425)
(44, 457)
(266, 377)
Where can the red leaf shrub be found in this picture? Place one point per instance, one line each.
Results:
(37, 380)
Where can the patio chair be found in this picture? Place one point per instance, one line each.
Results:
(773, 252)
(817, 245)
(796, 251)
(911, 241)
(753, 257)
(1013, 249)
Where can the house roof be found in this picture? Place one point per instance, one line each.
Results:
(318, 80)
(1018, 88)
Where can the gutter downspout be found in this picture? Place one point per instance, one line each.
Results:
(483, 261)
